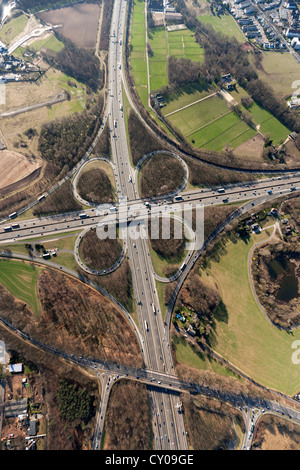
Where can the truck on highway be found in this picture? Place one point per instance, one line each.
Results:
(83, 215)
(115, 123)
(221, 190)
(146, 326)
(182, 266)
(13, 215)
(7, 228)
(41, 197)
(16, 225)
(153, 308)
(178, 198)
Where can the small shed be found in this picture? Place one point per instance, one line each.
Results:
(16, 368)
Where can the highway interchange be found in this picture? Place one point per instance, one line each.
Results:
(163, 385)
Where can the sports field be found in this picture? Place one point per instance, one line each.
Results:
(138, 51)
(209, 123)
(180, 44)
(162, 44)
(267, 123)
(246, 338)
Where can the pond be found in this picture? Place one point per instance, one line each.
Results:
(284, 269)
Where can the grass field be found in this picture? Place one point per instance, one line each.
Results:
(13, 28)
(190, 119)
(224, 24)
(51, 43)
(138, 51)
(247, 339)
(184, 96)
(163, 44)
(20, 279)
(180, 44)
(268, 124)
(279, 71)
(186, 354)
(208, 123)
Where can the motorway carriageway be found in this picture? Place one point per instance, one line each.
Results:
(72, 222)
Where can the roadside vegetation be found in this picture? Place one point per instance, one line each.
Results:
(59, 201)
(161, 174)
(99, 254)
(78, 63)
(211, 427)
(63, 142)
(72, 316)
(167, 254)
(94, 185)
(128, 419)
(118, 283)
(141, 140)
(274, 433)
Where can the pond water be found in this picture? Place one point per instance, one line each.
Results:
(288, 282)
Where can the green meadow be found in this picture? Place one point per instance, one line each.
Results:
(20, 279)
(246, 338)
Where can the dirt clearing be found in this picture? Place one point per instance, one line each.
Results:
(15, 167)
(78, 23)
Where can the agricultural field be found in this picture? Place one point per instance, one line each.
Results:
(49, 42)
(206, 121)
(224, 24)
(247, 339)
(158, 62)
